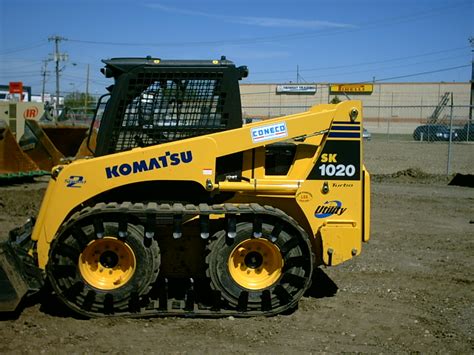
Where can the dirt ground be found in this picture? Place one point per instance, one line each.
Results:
(411, 289)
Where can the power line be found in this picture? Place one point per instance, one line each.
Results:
(351, 72)
(24, 48)
(365, 63)
(420, 73)
(298, 35)
(379, 80)
(373, 69)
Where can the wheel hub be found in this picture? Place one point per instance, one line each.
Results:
(109, 259)
(255, 264)
(253, 260)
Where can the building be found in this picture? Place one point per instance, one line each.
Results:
(404, 104)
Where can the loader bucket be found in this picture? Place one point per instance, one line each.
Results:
(13, 161)
(87, 146)
(39, 147)
(19, 274)
(67, 139)
(13, 285)
(47, 145)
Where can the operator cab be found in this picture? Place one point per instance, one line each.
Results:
(156, 101)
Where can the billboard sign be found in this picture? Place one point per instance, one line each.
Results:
(352, 88)
(296, 89)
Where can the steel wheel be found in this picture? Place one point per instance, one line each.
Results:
(95, 272)
(263, 274)
(107, 263)
(255, 264)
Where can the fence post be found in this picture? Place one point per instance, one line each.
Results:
(448, 167)
(388, 128)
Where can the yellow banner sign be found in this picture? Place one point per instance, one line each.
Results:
(353, 88)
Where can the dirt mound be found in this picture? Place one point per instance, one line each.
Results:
(412, 175)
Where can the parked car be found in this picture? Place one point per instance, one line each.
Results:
(434, 132)
(252, 120)
(366, 135)
(466, 133)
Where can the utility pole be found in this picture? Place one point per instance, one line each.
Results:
(57, 57)
(44, 72)
(86, 97)
(297, 74)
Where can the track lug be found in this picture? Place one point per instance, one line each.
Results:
(243, 301)
(231, 226)
(190, 296)
(276, 232)
(99, 228)
(150, 226)
(122, 229)
(163, 295)
(257, 227)
(266, 300)
(177, 222)
(216, 300)
(204, 226)
(108, 304)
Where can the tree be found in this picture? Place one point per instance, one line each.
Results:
(75, 100)
(335, 100)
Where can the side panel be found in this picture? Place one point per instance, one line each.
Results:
(332, 197)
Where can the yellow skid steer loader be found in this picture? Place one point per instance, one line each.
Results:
(185, 211)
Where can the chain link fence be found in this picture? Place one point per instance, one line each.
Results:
(434, 139)
(421, 123)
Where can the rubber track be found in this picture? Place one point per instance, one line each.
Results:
(163, 214)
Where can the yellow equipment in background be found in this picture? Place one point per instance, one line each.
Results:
(184, 211)
(12, 158)
(36, 146)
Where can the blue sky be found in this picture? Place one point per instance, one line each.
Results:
(340, 41)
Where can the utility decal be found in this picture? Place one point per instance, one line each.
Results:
(264, 133)
(140, 166)
(75, 181)
(304, 196)
(334, 184)
(339, 160)
(329, 208)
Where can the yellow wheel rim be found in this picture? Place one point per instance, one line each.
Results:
(107, 263)
(255, 264)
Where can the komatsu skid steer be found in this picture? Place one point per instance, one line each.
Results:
(182, 210)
